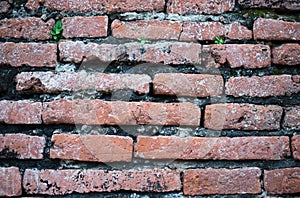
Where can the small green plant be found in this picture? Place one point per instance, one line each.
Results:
(219, 40)
(57, 30)
(143, 40)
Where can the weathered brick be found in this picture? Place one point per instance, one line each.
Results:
(274, 4)
(292, 118)
(265, 86)
(199, 6)
(60, 182)
(282, 181)
(21, 146)
(236, 31)
(49, 82)
(271, 29)
(97, 148)
(193, 85)
(223, 148)
(242, 116)
(296, 147)
(20, 112)
(286, 54)
(27, 28)
(98, 6)
(4, 7)
(95, 26)
(97, 112)
(10, 184)
(32, 54)
(221, 181)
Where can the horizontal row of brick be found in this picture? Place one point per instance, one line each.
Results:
(97, 26)
(249, 56)
(109, 148)
(195, 181)
(97, 112)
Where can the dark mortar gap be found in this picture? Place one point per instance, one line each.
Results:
(25, 40)
(166, 6)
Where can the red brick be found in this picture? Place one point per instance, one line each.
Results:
(22, 146)
(296, 147)
(265, 86)
(199, 6)
(286, 54)
(97, 112)
(221, 181)
(98, 6)
(271, 29)
(4, 7)
(10, 184)
(95, 26)
(242, 116)
(32, 54)
(223, 148)
(282, 181)
(20, 112)
(96, 148)
(27, 28)
(193, 85)
(49, 82)
(60, 182)
(292, 117)
(287, 4)
(236, 31)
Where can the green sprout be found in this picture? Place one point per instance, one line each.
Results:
(57, 30)
(143, 40)
(219, 40)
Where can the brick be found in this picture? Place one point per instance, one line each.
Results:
(98, 6)
(236, 31)
(286, 54)
(193, 85)
(10, 182)
(274, 4)
(223, 148)
(26, 28)
(292, 118)
(296, 147)
(91, 27)
(265, 86)
(221, 181)
(31, 54)
(20, 112)
(282, 181)
(97, 148)
(242, 116)
(270, 29)
(199, 6)
(21, 146)
(97, 112)
(60, 182)
(4, 7)
(49, 82)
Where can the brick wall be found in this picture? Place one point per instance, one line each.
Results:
(137, 100)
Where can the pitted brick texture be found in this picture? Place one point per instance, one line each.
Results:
(296, 147)
(286, 54)
(275, 4)
(10, 182)
(292, 118)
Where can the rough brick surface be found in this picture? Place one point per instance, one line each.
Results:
(242, 116)
(240, 148)
(292, 118)
(59, 182)
(97, 112)
(4, 7)
(296, 147)
(193, 85)
(91, 148)
(27, 28)
(271, 29)
(10, 184)
(20, 112)
(283, 85)
(95, 26)
(221, 181)
(21, 146)
(282, 181)
(98, 6)
(287, 4)
(49, 82)
(199, 6)
(286, 54)
(32, 54)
